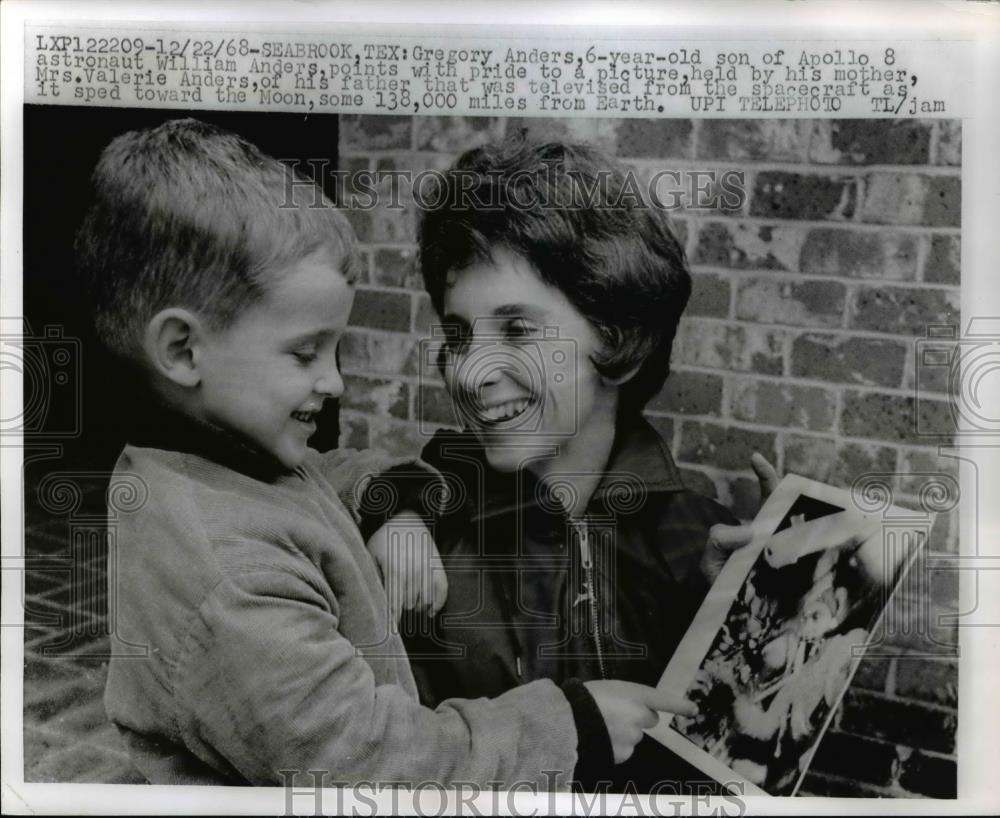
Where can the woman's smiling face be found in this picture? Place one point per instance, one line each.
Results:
(518, 363)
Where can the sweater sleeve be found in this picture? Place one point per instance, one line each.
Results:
(595, 755)
(266, 683)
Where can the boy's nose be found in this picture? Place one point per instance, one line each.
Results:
(331, 384)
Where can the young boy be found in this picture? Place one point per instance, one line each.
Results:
(268, 642)
(560, 288)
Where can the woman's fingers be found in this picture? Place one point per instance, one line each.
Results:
(727, 538)
(439, 582)
(722, 541)
(767, 475)
(394, 593)
(422, 579)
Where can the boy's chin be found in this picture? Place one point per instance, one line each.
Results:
(291, 457)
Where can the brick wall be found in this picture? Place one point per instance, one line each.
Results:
(799, 342)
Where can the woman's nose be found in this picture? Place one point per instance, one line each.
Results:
(480, 369)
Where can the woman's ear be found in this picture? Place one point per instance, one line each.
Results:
(173, 345)
(622, 379)
(613, 338)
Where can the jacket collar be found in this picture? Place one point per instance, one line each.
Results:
(640, 464)
(164, 427)
(640, 458)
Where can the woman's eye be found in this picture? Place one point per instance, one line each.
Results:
(304, 356)
(521, 329)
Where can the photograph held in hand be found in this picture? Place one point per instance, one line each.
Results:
(788, 621)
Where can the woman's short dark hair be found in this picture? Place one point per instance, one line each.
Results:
(586, 226)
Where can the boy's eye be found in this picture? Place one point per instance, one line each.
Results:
(304, 356)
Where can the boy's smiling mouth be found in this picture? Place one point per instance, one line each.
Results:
(305, 417)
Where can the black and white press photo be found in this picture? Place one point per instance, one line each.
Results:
(554, 418)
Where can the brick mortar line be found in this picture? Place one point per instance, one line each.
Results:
(826, 386)
(846, 309)
(713, 163)
(839, 224)
(923, 254)
(696, 215)
(750, 426)
(893, 697)
(861, 789)
(797, 275)
(888, 743)
(906, 340)
(936, 754)
(933, 143)
(796, 168)
(697, 127)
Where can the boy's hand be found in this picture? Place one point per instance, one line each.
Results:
(724, 539)
(629, 709)
(411, 566)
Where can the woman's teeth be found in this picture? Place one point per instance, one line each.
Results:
(305, 417)
(504, 411)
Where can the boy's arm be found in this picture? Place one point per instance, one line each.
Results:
(267, 683)
(375, 486)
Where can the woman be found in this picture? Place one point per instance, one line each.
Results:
(571, 546)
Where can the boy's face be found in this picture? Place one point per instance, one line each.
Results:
(266, 375)
(519, 369)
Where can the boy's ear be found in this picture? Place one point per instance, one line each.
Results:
(172, 344)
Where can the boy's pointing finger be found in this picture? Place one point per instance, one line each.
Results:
(667, 702)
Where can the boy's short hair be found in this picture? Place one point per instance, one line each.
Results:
(585, 225)
(189, 215)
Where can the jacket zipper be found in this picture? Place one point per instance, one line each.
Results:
(588, 572)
